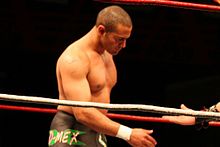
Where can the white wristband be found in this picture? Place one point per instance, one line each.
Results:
(124, 132)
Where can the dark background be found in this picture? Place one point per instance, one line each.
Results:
(172, 57)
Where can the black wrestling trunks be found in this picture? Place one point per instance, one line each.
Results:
(65, 131)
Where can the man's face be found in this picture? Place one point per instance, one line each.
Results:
(116, 40)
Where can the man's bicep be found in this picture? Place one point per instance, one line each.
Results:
(75, 84)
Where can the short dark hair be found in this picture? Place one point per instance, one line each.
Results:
(111, 16)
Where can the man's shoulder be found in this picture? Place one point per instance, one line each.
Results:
(73, 57)
(74, 51)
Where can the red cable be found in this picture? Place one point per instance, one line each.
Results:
(169, 3)
(110, 115)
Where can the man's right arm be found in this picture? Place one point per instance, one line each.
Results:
(76, 87)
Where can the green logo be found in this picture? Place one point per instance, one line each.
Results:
(68, 136)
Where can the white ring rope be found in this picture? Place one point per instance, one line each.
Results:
(113, 107)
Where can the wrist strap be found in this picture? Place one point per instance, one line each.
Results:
(202, 123)
(124, 132)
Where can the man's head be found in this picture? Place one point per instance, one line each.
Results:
(115, 25)
(111, 16)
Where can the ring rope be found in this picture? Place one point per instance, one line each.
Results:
(110, 115)
(113, 107)
(168, 3)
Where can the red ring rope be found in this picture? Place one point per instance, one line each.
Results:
(110, 115)
(168, 3)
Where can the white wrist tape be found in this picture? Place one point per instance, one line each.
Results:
(124, 132)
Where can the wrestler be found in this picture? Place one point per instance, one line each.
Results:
(86, 72)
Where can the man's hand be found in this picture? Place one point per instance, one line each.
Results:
(142, 138)
(182, 120)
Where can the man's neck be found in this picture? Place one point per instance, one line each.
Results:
(94, 41)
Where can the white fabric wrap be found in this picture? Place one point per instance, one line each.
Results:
(124, 132)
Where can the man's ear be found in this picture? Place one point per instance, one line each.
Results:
(101, 29)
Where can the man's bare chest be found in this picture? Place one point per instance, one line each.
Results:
(101, 76)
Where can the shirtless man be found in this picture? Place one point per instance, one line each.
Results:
(86, 72)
